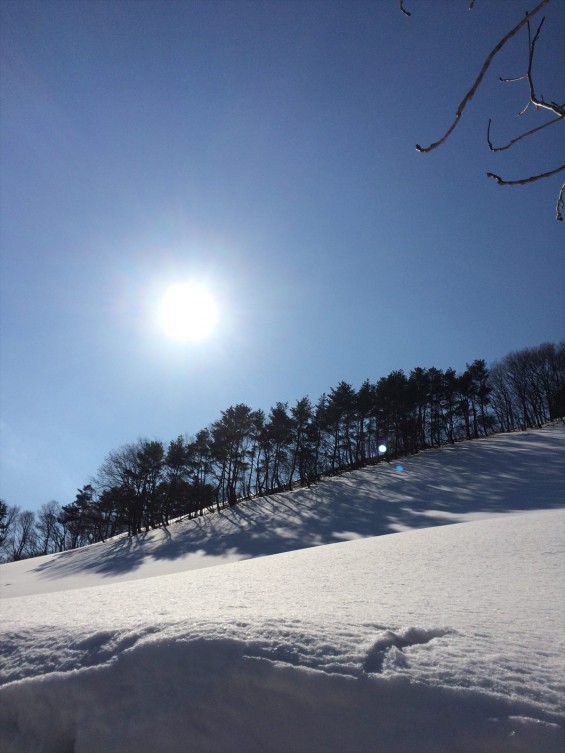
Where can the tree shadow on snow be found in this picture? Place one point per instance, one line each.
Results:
(505, 473)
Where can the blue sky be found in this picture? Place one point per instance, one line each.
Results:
(265, 149)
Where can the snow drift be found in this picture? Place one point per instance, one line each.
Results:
(436, 639)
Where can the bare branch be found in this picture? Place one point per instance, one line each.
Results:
(551, 106)
(560, 204)
(518, 138)
(524, 181)
(403, 9)
(470, 94)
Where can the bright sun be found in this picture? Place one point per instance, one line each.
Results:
(188, 312)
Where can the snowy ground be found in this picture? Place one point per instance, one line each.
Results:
(440, 638)
(469, 481)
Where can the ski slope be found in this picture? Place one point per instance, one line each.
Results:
(389, 611)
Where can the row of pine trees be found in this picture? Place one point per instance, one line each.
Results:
(248, 452)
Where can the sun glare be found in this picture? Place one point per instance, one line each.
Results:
(188, 312)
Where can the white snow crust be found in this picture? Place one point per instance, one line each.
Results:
(348, 638)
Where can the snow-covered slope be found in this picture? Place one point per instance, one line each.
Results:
(468, 481)
(439, 639)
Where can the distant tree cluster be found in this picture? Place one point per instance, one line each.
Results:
(247, 453)
(24, 533)
(528, 387)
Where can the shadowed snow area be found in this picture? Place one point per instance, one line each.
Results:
(468, 481)
(437, 639)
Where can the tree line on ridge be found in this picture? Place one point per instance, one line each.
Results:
(246, 452)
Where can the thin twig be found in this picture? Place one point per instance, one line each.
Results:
(525, 108)
(523, 181)
(518, 138)
(560, 204)
(468, 97)
(512, 80)
(403, 9)
(532, 44)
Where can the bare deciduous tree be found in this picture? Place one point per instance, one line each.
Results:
(528, 387)
(50, 533)
(8, 517)
(22, 540)
(556, 109)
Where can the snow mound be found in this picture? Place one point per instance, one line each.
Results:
(441, 639)
(211, 696)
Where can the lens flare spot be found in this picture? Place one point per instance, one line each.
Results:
(382, 448)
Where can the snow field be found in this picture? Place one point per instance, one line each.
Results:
(436, 639)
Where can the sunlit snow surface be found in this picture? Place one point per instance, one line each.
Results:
(444, 638)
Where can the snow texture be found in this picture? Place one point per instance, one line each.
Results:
(439, 638)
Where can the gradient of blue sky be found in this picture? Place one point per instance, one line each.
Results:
(266, 148)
